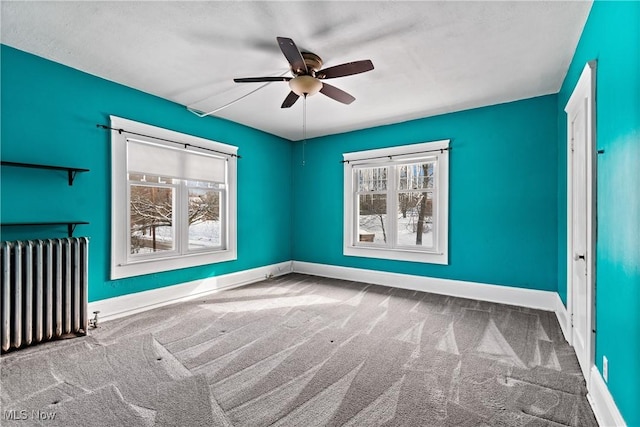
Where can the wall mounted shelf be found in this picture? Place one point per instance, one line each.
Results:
(71, 172)
(71, 225)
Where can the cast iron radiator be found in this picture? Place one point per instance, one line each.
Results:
(44, 290)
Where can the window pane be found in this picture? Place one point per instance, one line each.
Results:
(415, 219)
(151, 213)
(372, 218)
(371, 179)
(204, 184)
(204, 218)
(150, 178)
(415, 176)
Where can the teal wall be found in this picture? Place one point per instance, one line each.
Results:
(612, 37)
(503, 181)
(49, 115)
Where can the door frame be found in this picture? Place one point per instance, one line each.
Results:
(584, 91)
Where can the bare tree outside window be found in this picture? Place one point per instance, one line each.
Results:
(415, 204)
(372, 204)
(204, 218)
(373, 214)
(151, 219)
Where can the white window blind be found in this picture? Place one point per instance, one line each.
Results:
(155, 159)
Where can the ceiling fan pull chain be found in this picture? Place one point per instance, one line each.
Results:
(304, 127)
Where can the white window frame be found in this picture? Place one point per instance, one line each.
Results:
(437, 151)
(122, 264)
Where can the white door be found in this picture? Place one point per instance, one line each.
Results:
(579, 230)
(580, 216)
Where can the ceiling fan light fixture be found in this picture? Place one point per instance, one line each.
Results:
(305, 85)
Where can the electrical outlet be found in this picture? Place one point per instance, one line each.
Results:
(605, 368)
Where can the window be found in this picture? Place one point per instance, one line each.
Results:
(396, 203)
(173, 204)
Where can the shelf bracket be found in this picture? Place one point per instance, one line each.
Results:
(71, 228)
(72, 175)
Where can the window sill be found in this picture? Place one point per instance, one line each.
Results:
(397, 254)
(141, 267)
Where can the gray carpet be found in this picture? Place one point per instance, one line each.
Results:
(305, 351)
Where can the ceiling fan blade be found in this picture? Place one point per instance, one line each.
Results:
(347, 69)
(290, 100)
(262, 79)
(337, 94)
(293, 55)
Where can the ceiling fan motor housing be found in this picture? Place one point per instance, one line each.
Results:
(312, 61)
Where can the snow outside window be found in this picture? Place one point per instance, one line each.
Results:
(396, 203)
(173, 205)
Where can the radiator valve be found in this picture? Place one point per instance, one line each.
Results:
(94, 322)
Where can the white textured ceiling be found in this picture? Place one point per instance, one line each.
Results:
(429, 57)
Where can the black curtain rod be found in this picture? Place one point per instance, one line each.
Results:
(441, 150)
(167, 140)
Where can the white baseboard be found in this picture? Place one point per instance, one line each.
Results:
(563, 319)
(604, 408)
(125, 305)
(543, 300)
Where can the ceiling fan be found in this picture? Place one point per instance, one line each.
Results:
(307, 72)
